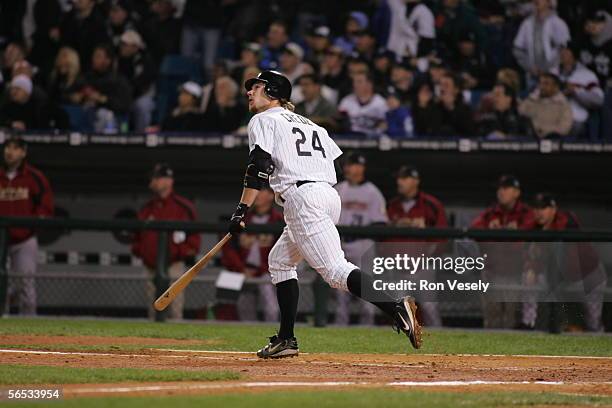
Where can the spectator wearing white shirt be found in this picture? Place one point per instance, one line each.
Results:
(581, 87)
(539, 40)
(364, 109)
(412, 32)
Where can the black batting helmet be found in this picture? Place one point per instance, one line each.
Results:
(277, 86)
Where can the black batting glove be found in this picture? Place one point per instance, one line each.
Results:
(237, 225)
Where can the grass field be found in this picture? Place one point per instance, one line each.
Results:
(234, 337)
(71, 343)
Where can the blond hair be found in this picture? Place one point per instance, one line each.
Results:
(287, 105)
(74, 64)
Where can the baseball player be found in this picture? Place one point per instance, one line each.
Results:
(24, 192)
(297, 158)
(362, 204)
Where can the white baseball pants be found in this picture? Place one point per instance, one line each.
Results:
(311, 213)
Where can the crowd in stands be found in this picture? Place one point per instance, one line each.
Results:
(405, 68)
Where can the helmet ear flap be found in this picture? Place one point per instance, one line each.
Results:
(271, 91)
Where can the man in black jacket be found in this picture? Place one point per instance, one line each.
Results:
(104, 88)
(504, 120)
(136, 65)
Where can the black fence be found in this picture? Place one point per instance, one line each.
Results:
(319, 290)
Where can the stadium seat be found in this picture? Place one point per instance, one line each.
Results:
(174, 70)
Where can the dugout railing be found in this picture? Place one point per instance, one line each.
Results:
(320, 289)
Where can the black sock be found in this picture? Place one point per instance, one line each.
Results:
(354, 281)
(287, 293)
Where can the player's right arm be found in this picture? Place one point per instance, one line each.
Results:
(258, 170)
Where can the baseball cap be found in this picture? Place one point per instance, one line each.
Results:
(192, 88)
(16, 141)
(321, 31)
(131, 37)
(162, 170)
(295, 49)
(598, 16)
(22, 82)
(355, 157)
(508, 180)
(361, 19)
(543, 200)
(252, 46)
(407, 171)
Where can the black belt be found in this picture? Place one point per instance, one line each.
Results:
(302, 182)
(298, 184)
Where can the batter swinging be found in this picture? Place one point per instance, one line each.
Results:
(297, 157)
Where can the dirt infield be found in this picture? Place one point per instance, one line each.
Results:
(582, 375)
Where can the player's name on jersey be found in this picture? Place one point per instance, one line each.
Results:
(426, 285)
(290, 117)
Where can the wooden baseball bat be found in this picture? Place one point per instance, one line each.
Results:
(181, 283)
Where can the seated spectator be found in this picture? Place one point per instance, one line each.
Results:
(402, 80)
(539, 40)
(83, 28)
(224, 112)
(365, 44)
(505, 76)
(66, 82)
(424, 112)
(277, 37)
(398, 119)
(333, 70)
(186, 117)
(412, 29)
(548, 109)
(136, 65)
(249, 58)
(248, 254)
(364, 109)
(504, 120)
(596, 48)
(109, 94)
(580, 86)
(291, 62)
(456, 117)
(162, 31)
(471, 63)
(23, 110)
(315, 106)
(354, 66)
(356, 22)
(119, 20)
(383, 62)
(318, 41)
(13, 53)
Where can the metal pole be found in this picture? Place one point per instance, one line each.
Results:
(555, 265)
(161, 273)
(3, 270)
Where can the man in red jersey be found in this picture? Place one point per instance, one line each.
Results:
(504, 260)
(416, 209)
(581, 263)
(24, 192)
(166, 205)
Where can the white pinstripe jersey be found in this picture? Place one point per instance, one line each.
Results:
(300, 149)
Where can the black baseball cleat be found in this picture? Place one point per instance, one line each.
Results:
(279, 348)
(406, 321)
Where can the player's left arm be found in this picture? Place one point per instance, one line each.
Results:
(257, 173)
